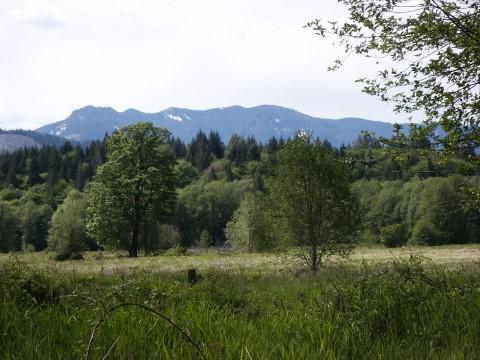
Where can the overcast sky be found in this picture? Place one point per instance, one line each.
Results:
(60, 55)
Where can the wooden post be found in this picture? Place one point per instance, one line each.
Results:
(192, 276)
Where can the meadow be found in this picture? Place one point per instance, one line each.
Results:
(414, 303)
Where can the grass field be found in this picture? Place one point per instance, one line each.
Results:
(238, 262)
(381, 304)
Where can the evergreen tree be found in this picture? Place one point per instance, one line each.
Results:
(217, 147)
(237, 150)
(199, 153)
(33, 173)
(12, 178)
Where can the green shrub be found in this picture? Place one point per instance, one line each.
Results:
(67, 236)
(426, 233)
(393, 235)
(251, 225)
(205, 239)
(369, 237)
(26, 286)
(177, 250)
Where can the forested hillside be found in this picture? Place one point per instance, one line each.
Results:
(406, 194)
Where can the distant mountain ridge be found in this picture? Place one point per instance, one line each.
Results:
(11, 140)
(262, 122)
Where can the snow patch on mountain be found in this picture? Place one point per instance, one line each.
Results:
(76, 137)
(174, 117)
(59, 130)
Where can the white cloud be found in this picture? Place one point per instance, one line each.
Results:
(41, 14)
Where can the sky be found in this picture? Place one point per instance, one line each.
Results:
(60, 55)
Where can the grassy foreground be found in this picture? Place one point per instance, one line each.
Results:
(244, 306)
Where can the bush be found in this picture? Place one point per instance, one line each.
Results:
(169, 236)
(8, 228)
(205, 239)
(251, 225)
(426, 233)
(369, 237)
(393, 235)
(26, 286)
(177, 250)
(67, 236)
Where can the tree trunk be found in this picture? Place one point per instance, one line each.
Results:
(133, 251)
(314, 257)
(146, 238)
(314, 245)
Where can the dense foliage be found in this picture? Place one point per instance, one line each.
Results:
(408, 191)
(428, 212)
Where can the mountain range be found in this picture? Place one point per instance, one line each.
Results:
(11, 140)
(262, 122)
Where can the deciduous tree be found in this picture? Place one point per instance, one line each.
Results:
(435, 48)
(314, 199)
(67, 235)
(136, 182)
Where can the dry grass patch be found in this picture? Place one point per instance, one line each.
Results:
(111, 263)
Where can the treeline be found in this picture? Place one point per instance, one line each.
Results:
(419, 212)
(405, 156)
(51, 164)
(409, 193)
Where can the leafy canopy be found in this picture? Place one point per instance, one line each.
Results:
(314, 198)
(435, 46)
(136, 184)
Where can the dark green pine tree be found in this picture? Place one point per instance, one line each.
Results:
(52, 177)
(178, 147)
(12, 178)
(254, 149)
(33, 172)
(80, 176)
(272, 145)
(66, 148)
(217, 147)
(199, 153)
(237, 150)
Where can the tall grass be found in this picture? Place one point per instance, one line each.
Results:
(394, 311)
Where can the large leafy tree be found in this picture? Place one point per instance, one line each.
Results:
(435, 48)
(134, 186)
(314, 198)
